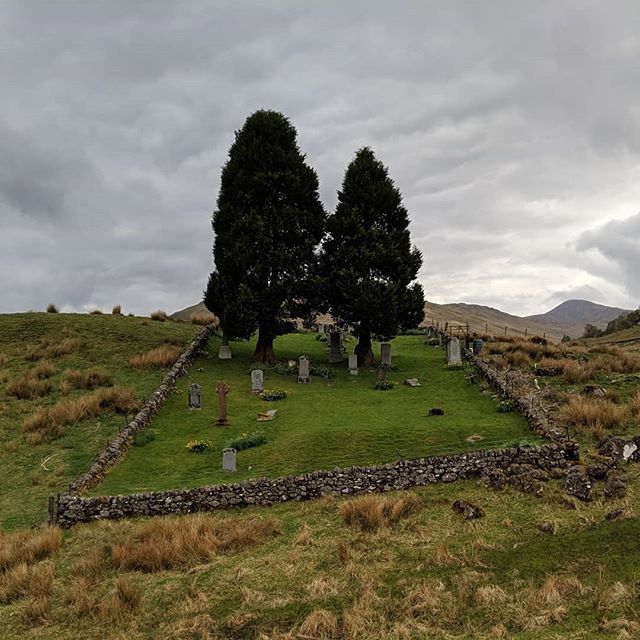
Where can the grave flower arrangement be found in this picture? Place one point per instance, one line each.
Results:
(274, 394)
(198, 446)
(246, 441)
(383, 385)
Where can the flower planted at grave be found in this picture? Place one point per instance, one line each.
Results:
(271, 395)
(198, 446)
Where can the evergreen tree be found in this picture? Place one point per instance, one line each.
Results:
(268, 224)
(368, 263)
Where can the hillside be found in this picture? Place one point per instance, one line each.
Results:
(579, 312)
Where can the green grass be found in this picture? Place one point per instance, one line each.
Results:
(341, 421)
(106, 341)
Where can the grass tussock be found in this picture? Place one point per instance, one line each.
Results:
(160, 357)
(35, 611)
(171, 542)
(320, 624)
(159, 315)
(3, 360)
(49, 422)
(634, 404)
(372, 512)
(517, 359)
(202, 318)
(29, 388)
(577, 372)
(593, 416)
(117, 310)
(23, 580)
(88, 379)
(123, 600)
(28, 546)
(62, 348)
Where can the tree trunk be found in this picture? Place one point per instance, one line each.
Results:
(364, 351)
(264, 350)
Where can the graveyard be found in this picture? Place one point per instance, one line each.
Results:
(338, 421)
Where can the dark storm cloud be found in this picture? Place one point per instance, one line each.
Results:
(510, 128)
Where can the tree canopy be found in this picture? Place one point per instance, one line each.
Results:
(268, 224)
(368, 263)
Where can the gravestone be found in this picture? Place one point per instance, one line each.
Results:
(320, 328)
(222, 389)
(225, 352)
(353, 364)
(303, 370)
(385, 354)
(229, 460)
(453, 352)
(257, 381)
(194, 396)
(335, 347)
(477, 346)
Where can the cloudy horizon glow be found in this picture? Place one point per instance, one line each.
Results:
(512, 130)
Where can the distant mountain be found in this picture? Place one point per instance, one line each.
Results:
(185, 314)
(580, 312)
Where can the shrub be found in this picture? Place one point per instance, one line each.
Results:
(89, 379)
(51, 308)
(117, 310)
(198, 446)
(273, 394)
(159, 315)
(321, 372)
(95, 312)
(505, 406)
(371, 512)
(171, 542)
(383, 385)
(246, 441)
(144, 437)
(160, 357)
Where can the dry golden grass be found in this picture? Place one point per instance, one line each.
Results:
(160, 357)
(88, 379)
(517, 359)
(123, 600)
(43, 370)
(49, 422)
(170, 542)
(35, 611)
(202, 318)
(3, 359)
(4, 377)
(576, 372)
(62, 348)
(320, 624)
(634, 404)
(612, 597)
(117, 310)
(23, 580)
(159, 315)
(28, 388)
(372, 512)
(593, 415)
(28, 546)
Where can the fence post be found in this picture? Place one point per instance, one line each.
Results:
(505, 330)
(525, 332)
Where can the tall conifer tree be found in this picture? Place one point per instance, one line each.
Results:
(267, 227)
(368, 263)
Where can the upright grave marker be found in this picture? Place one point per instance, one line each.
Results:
(222, 390)
(225, 352)
(385, 354)
(353, 364)
(194, 396)
(303, 370)
(229, 460)
(335, 347)
(453, 352)
(257, 381)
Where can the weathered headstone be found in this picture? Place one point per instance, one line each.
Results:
(353, 364)
(222, 389)
(229, 460)
(303, 370)
(335, 347)
(385, 354)
(477, 346)
(257, 381)
(225, 352)
(194, 396)
(453, 352)
(320, 328)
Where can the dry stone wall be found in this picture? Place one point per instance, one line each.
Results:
(353, 480)
(120, 444)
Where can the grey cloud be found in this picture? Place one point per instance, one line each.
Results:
(509, 127)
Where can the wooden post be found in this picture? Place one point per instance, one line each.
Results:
(222, 389)
(505, 330)
(486, 328)
(525, 332)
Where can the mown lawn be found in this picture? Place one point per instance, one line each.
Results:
(106, 341)
(336, 422)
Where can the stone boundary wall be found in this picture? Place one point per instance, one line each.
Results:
(116, 449)
(403, 474)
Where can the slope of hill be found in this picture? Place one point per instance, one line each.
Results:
(579, 312)
(185, 314)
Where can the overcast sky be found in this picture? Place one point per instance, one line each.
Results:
(511, 127)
